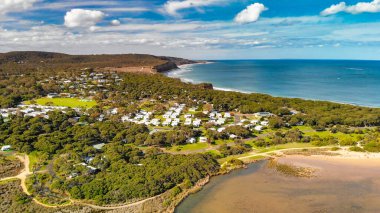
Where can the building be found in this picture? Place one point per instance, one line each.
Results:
(203, 139)
(52, 95)
(6, 148)
(259, 128)
(99, 146)
(263, 114)
(191, 140)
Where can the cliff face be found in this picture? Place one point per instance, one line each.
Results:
(165, 67)
(177, 61)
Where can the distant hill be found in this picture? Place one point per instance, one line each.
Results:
(31, 60)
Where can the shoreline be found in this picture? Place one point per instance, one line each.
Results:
(344, 157)
(186, 80)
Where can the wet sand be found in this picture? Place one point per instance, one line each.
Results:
(341, 185)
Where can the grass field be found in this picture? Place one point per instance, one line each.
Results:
(190, 147)
(65, 102)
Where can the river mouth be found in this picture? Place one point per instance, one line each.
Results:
(339, 185)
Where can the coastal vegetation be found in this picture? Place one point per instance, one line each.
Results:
(104, 137)
(291, 170)
(9, 166)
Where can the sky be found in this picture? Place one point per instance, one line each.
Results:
(195, 29)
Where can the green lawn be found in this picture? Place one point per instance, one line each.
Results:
(339, 135)
(190, 147)
(65, 102)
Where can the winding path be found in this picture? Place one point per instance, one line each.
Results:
(26, 172)
(23, 175)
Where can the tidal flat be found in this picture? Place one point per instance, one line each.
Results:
(338, 185)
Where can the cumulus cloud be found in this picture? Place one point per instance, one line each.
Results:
(8, 6)
(172, 7)
(115, 22)
(333, 9)
(361, 7)
(250, 14)
(83, 18)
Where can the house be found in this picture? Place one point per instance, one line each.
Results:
(114, 111)
(155, 122)
(264, 123)
(221, 129)
(188, 122)
(203, 139)
(73, 175)
(125, 118)
(232, 136)
(191, 140)
(197, 122)
(254, 122)
(227, 115)
(92, 170)
(88, 159)
(259, 128)
(6, 148)
(52, 95)
(220, 121)
(99, 146)
(263, 114)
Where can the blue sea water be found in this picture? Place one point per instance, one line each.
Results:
(343, 81)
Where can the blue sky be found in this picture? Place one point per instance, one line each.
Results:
(197, 29)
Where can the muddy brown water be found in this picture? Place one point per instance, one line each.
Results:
(340, 186)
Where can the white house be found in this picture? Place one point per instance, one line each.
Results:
(52, 95)
(202, 139)
(220, 121)
(259, 128)
(155, 122)
(99, 146)
(254, 122)
(197, 122)
(188, 121)
(221, 129)
(6, 148)
(264, 123)
(227, 115)
(191, 140)
(263, 114)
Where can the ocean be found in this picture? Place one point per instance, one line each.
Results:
(342, 81)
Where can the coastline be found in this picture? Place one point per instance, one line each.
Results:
(176, 73)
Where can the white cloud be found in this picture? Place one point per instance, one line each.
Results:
(333, 9)
(9, 6)
(250, 14)
(115, 22)
(126, 9)
(83, 18)
(172, 7)
(360, 7)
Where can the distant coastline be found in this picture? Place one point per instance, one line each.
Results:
(186, 74)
